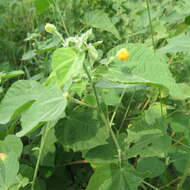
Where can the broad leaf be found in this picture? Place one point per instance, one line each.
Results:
(8, 171)
(176, 44)
(143, 67)
(81, 131)
(11, 144)
(66, 64)
(18, 95)
(150, 145)
(34, 102)
(180, 161)
(22, 182)
(107, 153)
(49, 106)
(101, 155)
(99, 19)
(180, 122)
(148, 140)
(153, 113)
(110, 177)
(153, 166)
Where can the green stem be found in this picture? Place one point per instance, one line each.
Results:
(116, 108)
(93, 88)
(170, 183)
(61, 17)
(186, 173)
(178, 142)
(102, 115)
(81, 103)
(161, 105)
(60, 37)
(150, 23)
(43, 140)
(149, 185)
(126, 112)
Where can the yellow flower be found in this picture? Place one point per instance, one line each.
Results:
(3, 156)
(50, 28)
(66, 94)
(123, 54)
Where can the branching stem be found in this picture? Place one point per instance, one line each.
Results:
(102, 115)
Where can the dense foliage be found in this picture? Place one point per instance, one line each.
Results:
(94, 94)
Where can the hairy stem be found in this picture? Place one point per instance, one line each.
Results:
(150, 23)
(43, 140)
(102, 115)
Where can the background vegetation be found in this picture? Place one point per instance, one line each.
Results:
(73, 116)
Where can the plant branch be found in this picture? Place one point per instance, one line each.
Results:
(150, 23)
(126, 112)
(102, 115)
(149, 185)
(43, 140)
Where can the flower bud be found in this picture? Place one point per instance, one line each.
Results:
(50, 28)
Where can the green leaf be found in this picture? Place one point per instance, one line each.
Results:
(99, 19)
(176, 44)
(81, 131)
(79, 87)
(110, 177)
(143, 67)
(18, 95)
(48, 45)
(129, 87)
(153, 113)
(41, 5)
(179, 122)
(107, 153)
(29, 55)
(103, 154)
(13, 74)
(148, 141)
(180, 161)
(11, 144)
(9, 169)
(22, 182)
(34, 102)
(26, 171)
(150, 145)
(110, 97)
(48, 153)
(66, 64)
(153, 165)
(48, 107)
